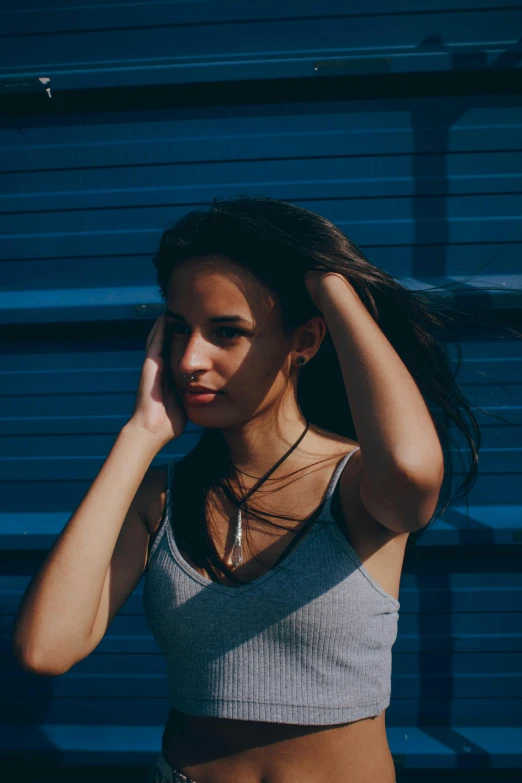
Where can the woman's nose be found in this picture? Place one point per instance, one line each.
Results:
(193, 358)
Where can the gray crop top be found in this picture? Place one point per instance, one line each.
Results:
(308, 642)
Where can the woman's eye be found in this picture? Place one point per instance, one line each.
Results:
(230, 329)
(173, 328)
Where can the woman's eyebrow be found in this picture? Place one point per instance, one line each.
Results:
(216, 319)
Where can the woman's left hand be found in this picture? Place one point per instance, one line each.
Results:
(315, 285)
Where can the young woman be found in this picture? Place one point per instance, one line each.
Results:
(309, 370)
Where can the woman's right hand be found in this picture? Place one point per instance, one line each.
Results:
(158, 408)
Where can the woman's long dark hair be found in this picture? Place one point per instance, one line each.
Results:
(278, 242)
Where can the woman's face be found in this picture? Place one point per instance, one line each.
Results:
(247, 361)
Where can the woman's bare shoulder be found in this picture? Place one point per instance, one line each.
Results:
(335, 444)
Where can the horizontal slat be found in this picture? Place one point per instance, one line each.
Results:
(99, 294)
(412, 747)
(62, 447)
(52, 462)
(443, 747)
(93, 448)
(60, 423)
(476, 140)
(40, 416)
(89, 741)
(61, 305)
(495, 218)
(481, 153)
(53, 16)
(190, 51)
(146, 188)
(151, 192)
(483, 526)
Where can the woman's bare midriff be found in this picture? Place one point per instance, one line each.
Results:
(211, 750)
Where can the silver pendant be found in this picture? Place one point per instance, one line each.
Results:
(237, 549)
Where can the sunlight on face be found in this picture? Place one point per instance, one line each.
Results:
(247, 359)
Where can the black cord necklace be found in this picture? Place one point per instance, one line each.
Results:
(237, 549)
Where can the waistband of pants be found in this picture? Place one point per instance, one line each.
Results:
(172, 775)
(169, 773)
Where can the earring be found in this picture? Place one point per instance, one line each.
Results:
(301, 360)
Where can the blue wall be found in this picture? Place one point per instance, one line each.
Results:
(402, 123)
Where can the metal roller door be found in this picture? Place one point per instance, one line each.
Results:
(402, 123)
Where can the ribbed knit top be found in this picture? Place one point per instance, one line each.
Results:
(308, 642)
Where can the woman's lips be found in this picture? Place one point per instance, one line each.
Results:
(199, 398)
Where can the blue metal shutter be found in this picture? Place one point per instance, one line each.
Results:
(402, 124)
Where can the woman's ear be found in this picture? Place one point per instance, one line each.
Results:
(310, 336)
